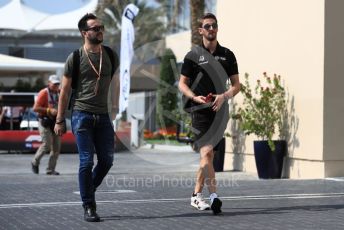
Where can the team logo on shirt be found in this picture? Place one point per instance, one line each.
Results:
(202, 60)
(220, 58)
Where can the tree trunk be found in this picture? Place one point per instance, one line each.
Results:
(197, 11)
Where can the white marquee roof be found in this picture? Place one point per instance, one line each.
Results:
(16, 15)
(9, 63)
(68, 20)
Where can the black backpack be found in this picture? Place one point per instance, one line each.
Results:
(76, 70)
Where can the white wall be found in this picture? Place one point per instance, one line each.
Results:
(333, 88)
(180, 43)
(302, 42)
(286, 38)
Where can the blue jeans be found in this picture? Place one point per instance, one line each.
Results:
(93, 134)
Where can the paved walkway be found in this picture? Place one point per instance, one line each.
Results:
(151, 188)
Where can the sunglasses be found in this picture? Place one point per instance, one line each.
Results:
(96, 28)
(207, 26)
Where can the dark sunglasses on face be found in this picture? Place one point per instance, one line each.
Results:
(207, 26)
(96, 28)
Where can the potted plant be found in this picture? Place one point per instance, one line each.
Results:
(263, 113)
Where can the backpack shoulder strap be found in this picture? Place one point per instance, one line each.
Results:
(76, 68)
(112, 59)
(75, 76)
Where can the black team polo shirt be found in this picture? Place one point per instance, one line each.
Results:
(208, 72)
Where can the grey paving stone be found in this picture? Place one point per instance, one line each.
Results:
(150, 189)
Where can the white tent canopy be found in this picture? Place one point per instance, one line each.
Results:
(15, 64)
(18, 16)
(68, 20)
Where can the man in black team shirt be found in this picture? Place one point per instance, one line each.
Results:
(204, 74)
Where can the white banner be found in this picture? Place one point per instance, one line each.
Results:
(127, 53)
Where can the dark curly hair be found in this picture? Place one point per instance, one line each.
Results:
(206, 16)
(82, 24)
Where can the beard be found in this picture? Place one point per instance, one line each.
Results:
(210, 37)
(95, 40)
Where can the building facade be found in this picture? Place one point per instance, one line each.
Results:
(302, 42)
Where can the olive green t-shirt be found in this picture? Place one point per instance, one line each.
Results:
(85, 97)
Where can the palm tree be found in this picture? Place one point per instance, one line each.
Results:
(173, 9)
(197, 11)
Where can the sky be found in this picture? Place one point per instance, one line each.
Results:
(51, 6)
(58, 6)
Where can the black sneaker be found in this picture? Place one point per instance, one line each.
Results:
(216, 206)
(55, 173)
(35, 168)
(90, 214)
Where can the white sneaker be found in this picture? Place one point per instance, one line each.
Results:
(199, 202)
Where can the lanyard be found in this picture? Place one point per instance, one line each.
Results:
(52, 98)
(94, 68)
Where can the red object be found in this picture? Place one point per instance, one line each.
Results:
(209, 98)
(24, 140)
(168, 131)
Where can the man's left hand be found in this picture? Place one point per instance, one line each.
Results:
(219, 99)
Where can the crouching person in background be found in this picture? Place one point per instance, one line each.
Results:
(46, 107)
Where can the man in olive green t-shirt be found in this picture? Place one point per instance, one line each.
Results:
(91, 124)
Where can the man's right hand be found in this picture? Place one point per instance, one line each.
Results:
(200, 99)
(60, 129)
